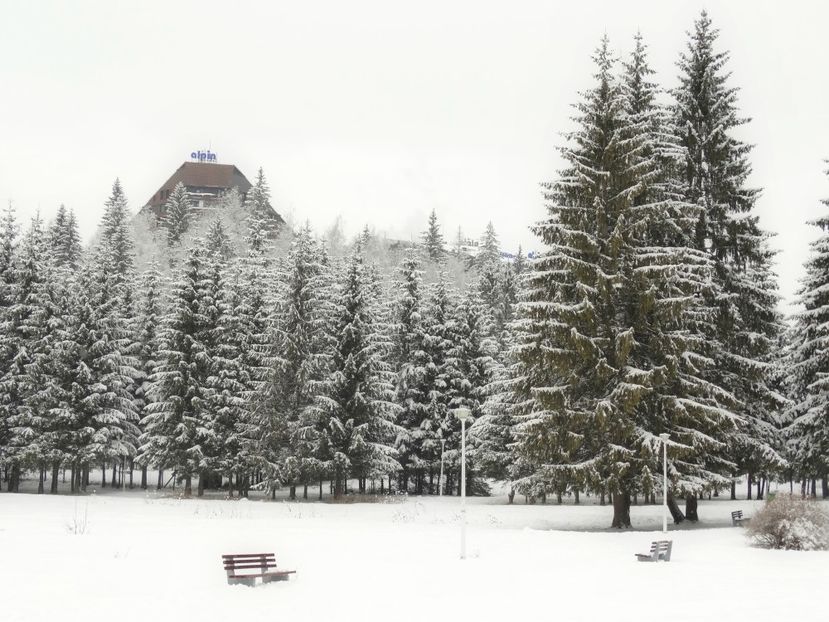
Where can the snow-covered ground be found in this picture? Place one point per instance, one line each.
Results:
(149, 557)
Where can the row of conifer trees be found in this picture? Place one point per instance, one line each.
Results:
(652, 310)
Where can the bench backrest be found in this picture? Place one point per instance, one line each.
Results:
(737, 514)
(248, 561)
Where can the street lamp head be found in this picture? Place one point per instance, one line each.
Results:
(664, 436)
(463, 414)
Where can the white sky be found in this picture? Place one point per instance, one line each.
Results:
(378, 111)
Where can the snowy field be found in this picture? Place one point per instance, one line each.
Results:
(150, 557)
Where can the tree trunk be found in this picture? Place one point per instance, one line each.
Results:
(305, 491)
(104, 475)
(511, 495)
(41, 472)
(824, 486)
(691, 508)
(320, 489)
(621, 510)
(673, 508)
(292, 493)
(338, 485)
(814, 488)
(733, 490)
(114, 473)
(188, 485)
(200, 489)
(53, 489)
(749, 481)
(160, 479)
(576, 494)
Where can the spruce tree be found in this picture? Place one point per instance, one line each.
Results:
(299, 351)
(24, 331)
(470, 365)
(8, 246)
(433, 244)
(744, 292)
(150, 317)
(604, 357)
(115, 230)
(179, 394)
(357, 429)
(808, 429)
(64, 239)
(217, 242)
(411, 362)
(437, 343)
(262, 223)
(177, 214)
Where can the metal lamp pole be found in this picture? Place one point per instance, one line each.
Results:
(463, 414)
(664, 436)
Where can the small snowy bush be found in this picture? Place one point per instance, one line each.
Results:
(787, 522)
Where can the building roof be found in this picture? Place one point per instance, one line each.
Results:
(201, 175)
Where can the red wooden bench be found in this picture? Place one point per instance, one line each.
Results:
(253, 565)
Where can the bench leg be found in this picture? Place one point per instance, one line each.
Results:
(249, 581)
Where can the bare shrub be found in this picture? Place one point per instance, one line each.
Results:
(788, 522)
(79, 524)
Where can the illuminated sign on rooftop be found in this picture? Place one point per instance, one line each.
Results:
(203, 156)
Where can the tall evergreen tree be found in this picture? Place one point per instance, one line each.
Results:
(177, 214)
(470, 365)
(64, 238)
(433, 244)
(150, 317)
(807, 378)
(411, 362)
(605, 360)
(179, 395)
(299, 352)
(115, 230)
(744, 294)
(217, 242)
(357, 429)
(262, 223)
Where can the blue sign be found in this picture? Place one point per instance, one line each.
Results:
(203, 156)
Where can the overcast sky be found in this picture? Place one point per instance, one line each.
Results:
(379, 111)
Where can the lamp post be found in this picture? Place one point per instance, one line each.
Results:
(440, 481)
(664, 436)
(463, 414)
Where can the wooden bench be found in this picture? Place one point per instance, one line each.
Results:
(737, 518)
(250, 563)
(660, 549)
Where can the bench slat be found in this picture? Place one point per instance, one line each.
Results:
(244, 566)
(250, 556)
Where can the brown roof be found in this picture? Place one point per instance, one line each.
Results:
(202, 175)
